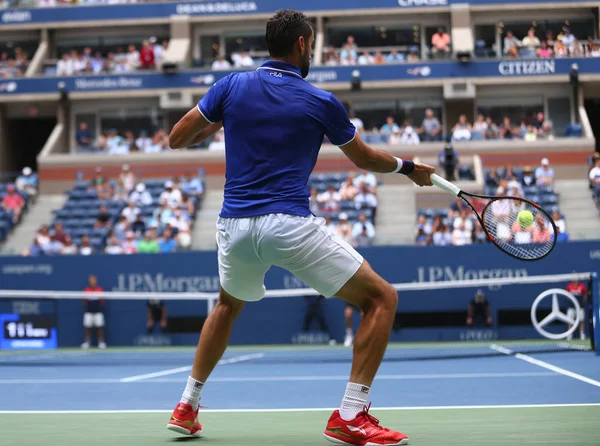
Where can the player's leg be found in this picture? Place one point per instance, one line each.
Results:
(87, 326)
(582, 324)
(99, 322)
(348, 313)
(571, 315)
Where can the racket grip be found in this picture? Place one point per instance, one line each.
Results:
(445, 185)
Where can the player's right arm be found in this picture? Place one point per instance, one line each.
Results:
(341, 132)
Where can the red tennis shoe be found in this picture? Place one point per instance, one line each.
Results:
(364, 430)
(185, 421)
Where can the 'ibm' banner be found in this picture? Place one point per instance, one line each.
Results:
(164, 10)
(190, 79)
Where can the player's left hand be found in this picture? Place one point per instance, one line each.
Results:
(421, 176)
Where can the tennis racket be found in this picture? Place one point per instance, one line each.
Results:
(499, 220)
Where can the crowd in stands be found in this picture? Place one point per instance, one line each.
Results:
(458, 226)
(115, 142)
(14, 199)
(348, 202)
(125, 216)
(536, 44)
(594, 177)
(350, 54)
(13, 65)
(149, 56)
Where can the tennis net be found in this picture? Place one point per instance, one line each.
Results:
(464, 318)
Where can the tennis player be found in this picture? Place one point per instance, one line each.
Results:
(274, 124)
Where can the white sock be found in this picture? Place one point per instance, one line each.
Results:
(354, 401)
(191, 394)
(349, 332)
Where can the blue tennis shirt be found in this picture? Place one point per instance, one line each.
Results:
(274, 125)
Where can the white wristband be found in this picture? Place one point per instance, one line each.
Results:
(400, 164)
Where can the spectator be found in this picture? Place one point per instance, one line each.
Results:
(430, 127)
(64, 67)
(157, 312)
(83, 137)
(313, 202)
(546, 132)
(443, 237)
(187, 206)
(113, 246)
(357, 122)
(366, 59)
(33, 250)
(365, 199)
(412, 56)
(511, 45)
(131, 212)
(127, 177)
(368, 178)
(243, 60)
(395, 137)
(464, 218)
(86, 248)
(421, 238)
(120, 229)
(184, 237)
(133, 58)
(98, 64)
(423, 224)
(580, 292)
(594, 177)
(42, 236)
(522, 235)
(129, 245)
(545, 52)
(538, 122)
(568, 40)
(143, 142)
(348, 190)
(69, 248)
(147, 57)
(27, 182)
(395, 57)
(170, 194)
(440, 43)
(462, 130)
(330, 226)
(528, 176)
(492, 131)
(193, 186)
(93, 313)
(160, 50)
(13, 203)
(140, 196)
(343, 228)
(167, 243)
(148, 245)
(461, 235)
(479, 126)
(218, 142)
(138, 227)
(479, 311)
(531, 42)
(507, 130)
(390, 125)
(221, 64)
(362, 238)
(544, 174)
(103, 218)
(409, 136)
(531, 134)
(479, 235)
(349, 54)
(59, 233)
(379, 59)
(53, 247)
(559, 221)
(541, 234)
(363, 222)
(560, 50)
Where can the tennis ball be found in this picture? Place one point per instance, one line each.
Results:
(525, 218)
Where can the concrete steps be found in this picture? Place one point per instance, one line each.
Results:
(579, 209)
(396, 215)
(203, 235)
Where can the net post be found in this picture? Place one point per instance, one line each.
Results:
(596, 313)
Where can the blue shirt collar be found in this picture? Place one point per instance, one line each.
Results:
(282, 67)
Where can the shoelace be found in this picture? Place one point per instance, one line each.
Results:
(371, 418)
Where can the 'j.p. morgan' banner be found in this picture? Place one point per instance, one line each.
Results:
(374, 73)
(228, 7)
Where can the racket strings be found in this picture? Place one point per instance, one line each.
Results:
(501, 222)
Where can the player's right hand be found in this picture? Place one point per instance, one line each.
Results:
(422, 174)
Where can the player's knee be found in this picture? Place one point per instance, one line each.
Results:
(384, 298)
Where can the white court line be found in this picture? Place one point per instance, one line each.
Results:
(187, 368)
(568, 346)
(276, 378)
(317, 409)
(546, 365)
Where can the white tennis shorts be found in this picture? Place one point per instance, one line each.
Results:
(572, 314)
(248, 247)
(93, 320)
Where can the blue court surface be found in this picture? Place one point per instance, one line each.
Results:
(263, 379)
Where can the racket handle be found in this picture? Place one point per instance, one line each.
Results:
(445, 185)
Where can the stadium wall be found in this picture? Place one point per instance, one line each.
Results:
(279, 320)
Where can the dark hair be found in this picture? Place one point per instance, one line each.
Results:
(283, 29)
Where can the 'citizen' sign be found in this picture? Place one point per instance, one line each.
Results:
(526, 67)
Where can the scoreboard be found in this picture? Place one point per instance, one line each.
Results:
(28, 324)
(27, 332)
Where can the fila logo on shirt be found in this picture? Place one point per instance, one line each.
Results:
(275, 73)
